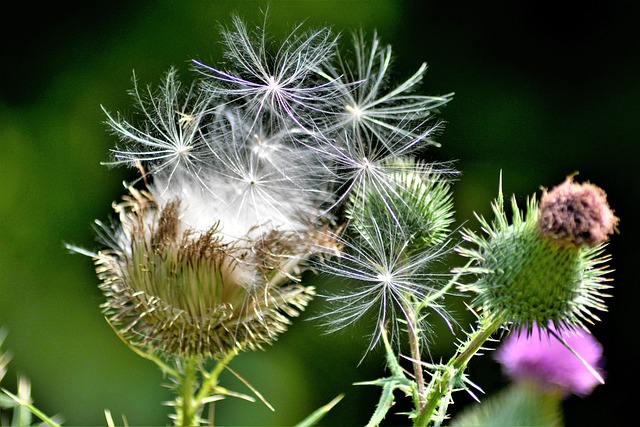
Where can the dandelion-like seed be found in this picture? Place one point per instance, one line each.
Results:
(283, 83)
(383, 282)
(366, 105)
(171, 139)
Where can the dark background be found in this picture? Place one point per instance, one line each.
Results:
(543, 89)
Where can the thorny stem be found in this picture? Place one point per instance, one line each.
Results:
(443, 291)
(414, 339)
(414, 343)
(188, 406)
(456, 365)
(193, 399)
(211, 379)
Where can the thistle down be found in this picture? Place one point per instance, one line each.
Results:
(249, 174)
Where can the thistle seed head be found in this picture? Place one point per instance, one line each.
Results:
(249, 172)
(180, 291)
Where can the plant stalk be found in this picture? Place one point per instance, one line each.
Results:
(456, 365)
(414, 343)
(187, 404)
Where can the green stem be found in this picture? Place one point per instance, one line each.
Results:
(476, 341)
(187, 404)
(442, 291)
(457, 364)
(414, 343)
(212, 378)
(193, 398)
(414, 340)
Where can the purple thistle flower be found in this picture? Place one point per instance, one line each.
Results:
(542, 358)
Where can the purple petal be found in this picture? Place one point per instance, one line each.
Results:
(544, 360)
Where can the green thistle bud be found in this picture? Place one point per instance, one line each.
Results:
(398, 228)
(173, 290)
(416, 197)
(527, 272)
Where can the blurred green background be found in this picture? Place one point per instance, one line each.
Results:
(543, 89)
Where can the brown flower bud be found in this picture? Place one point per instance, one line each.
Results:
(575, 214)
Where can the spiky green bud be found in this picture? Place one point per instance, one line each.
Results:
(398, 227)
(416, 199)
(525, 277)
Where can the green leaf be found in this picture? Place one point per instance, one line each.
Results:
(396, 381)
(6, 402)
(319, 413)
(35, 411)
